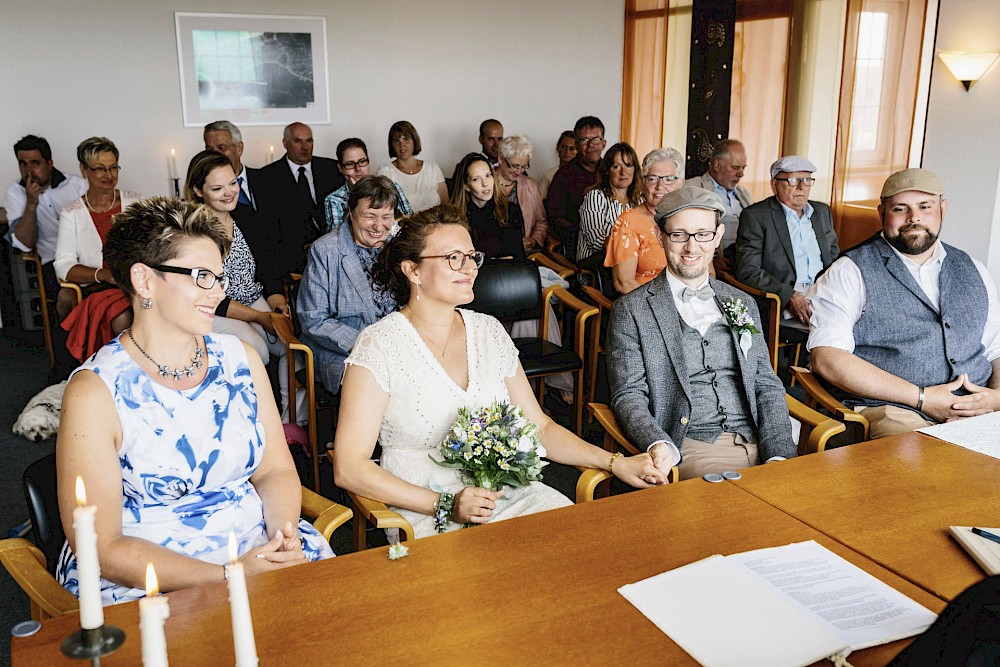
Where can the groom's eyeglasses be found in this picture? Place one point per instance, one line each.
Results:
(456, 260)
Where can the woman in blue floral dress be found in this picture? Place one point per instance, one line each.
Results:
(178, 452)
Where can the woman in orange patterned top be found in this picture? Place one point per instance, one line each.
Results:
(634, 251)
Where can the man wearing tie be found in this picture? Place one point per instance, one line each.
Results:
(224, 137)
(689, 370)
(292, 192)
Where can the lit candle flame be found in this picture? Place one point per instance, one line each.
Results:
(272, 149)
(81, 493)
(172, 152)
(233, 555)
(152, 585)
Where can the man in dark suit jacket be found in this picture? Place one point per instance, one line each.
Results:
(291, 194)
(689, 380)
(785, 241)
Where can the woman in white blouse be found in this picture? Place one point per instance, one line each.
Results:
(422, 180)
(618, 188)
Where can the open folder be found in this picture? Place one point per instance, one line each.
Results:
(781, 606)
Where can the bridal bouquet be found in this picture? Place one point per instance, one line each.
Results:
(493, 447)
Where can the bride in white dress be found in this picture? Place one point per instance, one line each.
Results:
(409, 373)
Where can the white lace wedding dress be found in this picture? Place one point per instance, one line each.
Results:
(424, 402)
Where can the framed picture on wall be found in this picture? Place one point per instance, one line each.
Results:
(252, 69)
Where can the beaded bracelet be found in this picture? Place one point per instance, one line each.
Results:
(442, 511)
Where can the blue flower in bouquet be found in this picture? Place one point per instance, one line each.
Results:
(493, 447)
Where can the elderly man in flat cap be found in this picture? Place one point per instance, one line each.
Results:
(905, 326)
(786, 240)
(690, 374)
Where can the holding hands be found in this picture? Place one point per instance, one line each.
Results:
(644, 470)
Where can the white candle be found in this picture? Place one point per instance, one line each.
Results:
(270, 155)
(153, 611)
(88, 568)
(239, 608)
(173, 163)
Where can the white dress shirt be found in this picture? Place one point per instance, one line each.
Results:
(838, 300)
(309, 175)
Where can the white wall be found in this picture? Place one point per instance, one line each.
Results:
(109, 67)
(963, 132)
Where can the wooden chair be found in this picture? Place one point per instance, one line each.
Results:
(32, 564)
(817, 428)
(769, 304)
(75, 289)
(817, 395)
(596, 349)
(35, 262)
(511, 291)
(560, 270)
(283, 327)
(614, 436)
(377, 514)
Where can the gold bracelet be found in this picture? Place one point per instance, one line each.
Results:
(611, 463)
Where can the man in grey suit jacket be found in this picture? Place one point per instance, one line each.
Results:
(690, 379)
(786, 240)
(726, 166)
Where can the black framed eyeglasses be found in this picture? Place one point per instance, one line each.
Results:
(794, 182)
(203, 278)
(652, 179)
(700, 237)
(350, 166)
(456, 260)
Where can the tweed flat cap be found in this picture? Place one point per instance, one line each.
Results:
(790, 164)
(688, 196)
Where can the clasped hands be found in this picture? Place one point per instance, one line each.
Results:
(284, 550)
(941, 405)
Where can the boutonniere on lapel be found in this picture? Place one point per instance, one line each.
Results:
(739, 319)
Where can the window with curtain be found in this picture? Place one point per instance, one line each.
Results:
(877, 100)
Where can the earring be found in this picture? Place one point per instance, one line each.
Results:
(418, 296)
(145, 303)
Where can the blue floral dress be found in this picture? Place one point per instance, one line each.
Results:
(186, 458)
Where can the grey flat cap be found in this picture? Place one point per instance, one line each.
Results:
(688, 196)
(790, 164)
(913, 179)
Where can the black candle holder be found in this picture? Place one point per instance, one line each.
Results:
(177, 186)
(90, 644)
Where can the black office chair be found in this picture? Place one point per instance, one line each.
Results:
(511, 291)
(43, 509)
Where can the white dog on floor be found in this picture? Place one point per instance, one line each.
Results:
(40, 418)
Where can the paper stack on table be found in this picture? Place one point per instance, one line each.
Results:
(782, 606)
(983, 551)
(980, 434)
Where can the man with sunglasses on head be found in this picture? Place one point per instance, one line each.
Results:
(689, 379)
(786, 240)
(353, 163)
(905, 327)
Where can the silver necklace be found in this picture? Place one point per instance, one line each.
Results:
(178, 373)
(114, 198)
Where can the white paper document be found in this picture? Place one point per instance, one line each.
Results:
(980, 434)
(789, 605)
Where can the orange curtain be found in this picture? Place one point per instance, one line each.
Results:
(644, 73)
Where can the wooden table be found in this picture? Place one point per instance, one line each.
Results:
(892, 500)
(540, 589)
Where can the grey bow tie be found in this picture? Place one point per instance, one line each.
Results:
(706, 293)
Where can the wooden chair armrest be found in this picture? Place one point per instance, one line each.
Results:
(563, 260)
(563, 272)
(597, 297)
(812, 385)
(570, 301)
(26, 564)
(606, 418)
(380, 516)
(822, 427)
(76, 289)
(590, 478)
(847, 415)
(324, 514)
(551, 243)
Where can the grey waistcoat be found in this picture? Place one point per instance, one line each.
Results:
(902, 333)
(717, 401)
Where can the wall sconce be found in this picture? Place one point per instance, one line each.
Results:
(968, 68)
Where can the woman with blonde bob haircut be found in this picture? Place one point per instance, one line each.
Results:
(409, 374)
(173, 429)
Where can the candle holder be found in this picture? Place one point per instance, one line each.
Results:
(88, 644)
(177, 186)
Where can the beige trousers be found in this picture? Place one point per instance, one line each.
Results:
(890, 419)
(730, 451)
